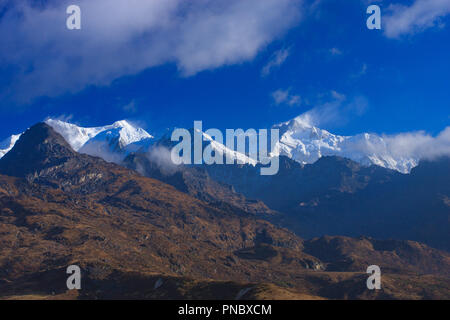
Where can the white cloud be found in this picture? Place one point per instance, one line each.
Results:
(338, 109)
(420, 15)
(278, 58)
(338, 96)
(281, 96)
(406, 148)
(419, 144)
(124, 37)
(407, 145)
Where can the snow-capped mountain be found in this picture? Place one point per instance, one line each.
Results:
(121, 132)
(306, 143)
(208, 141)
(111, 142)
(227, 152)
(299, 140)
(8, 144)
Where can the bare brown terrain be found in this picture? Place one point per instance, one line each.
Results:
(139, 238)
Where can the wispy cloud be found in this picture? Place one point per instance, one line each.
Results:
(130, 107)
(124, 37)
(420, 15)
(336, 110)
(62, 117)
(362, 71)
(285, 97)
(277, 59)
(335, 51)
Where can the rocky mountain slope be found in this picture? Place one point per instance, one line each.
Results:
(137, 237)
(194, 181)
(337, 196)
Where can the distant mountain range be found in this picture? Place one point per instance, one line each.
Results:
(139, 237)
(299, 141)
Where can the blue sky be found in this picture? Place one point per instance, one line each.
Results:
(231, 64)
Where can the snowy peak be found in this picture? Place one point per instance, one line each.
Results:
(74, 135)
(305, 143)
(127, 134)
(299, 140)
(7, 144)
(122, 131)
(111, 142)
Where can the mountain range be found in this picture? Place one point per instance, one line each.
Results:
(141, 229)
(299, 141)
(319, 190)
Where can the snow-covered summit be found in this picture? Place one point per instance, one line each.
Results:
(305, 143)
(112, 142)
(77, 137)
(299, 140)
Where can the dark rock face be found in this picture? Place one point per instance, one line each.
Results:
(42, 156)
(337, 196)
(296, 183)
(39, 148)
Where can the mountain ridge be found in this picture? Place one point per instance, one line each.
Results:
(299, 141)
